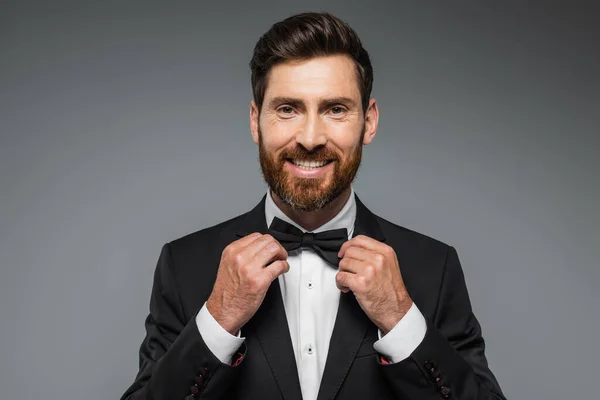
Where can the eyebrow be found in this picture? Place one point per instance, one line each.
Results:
(323, 103)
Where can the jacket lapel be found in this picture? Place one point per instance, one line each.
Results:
(351, 322)
(270, 322)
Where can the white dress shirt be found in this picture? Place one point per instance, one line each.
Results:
(311, 299)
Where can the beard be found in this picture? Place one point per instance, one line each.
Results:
(309, 194)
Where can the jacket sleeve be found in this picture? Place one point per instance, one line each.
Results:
(174, 361)
(450, 362)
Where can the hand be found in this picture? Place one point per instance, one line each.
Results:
(246, 270)
(371, 271)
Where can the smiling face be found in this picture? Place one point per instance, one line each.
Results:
(311, 129)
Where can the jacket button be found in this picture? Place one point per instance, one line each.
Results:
(434, 374)
(199, 380)
(204, 372)
(439, 382)
(429, 365)
(445, 391)
(194, 390)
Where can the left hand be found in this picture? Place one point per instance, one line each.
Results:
(370, 269)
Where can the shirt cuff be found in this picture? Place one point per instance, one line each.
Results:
(220, 342)
(404, 338)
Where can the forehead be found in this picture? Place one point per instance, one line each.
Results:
(319, 77)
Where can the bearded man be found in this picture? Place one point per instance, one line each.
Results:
(310, 295)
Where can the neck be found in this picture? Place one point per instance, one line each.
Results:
(311, 220)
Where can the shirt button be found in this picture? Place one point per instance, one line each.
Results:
(309, 285)
(310, 349)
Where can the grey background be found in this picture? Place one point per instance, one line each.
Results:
(124, 125)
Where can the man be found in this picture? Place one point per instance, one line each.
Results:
(310, 295)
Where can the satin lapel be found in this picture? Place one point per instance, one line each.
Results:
(351, 322)
(270, 323)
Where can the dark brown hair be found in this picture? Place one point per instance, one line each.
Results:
(304, 36)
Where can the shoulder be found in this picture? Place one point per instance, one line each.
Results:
(417, 251)
(414, 239)
(194, 260)
(401, 238)
(206, 238)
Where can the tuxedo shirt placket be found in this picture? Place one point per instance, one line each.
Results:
(311, 299)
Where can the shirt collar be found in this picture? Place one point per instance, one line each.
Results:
(344, 219)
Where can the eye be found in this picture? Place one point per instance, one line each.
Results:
(337, 110)
(286, 110)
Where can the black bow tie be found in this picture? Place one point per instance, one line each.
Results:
(326, 244)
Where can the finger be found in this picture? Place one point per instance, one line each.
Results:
(345, 281)
(357, 241)
(351, 265)
(243, 242)
(276, 268)
(234, 248)
(359, 253)
(264, 250)
(344, 289)
(364, 242)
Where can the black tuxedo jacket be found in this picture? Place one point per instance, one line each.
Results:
(175, 363)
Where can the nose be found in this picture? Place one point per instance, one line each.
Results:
(312, 133)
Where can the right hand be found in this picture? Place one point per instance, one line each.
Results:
(247, 268)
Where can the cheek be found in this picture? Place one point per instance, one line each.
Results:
(345, 145)
(345, 135)
(274, 143)
(277, 135)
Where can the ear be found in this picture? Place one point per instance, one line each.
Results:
(254, 114)
(371, 121)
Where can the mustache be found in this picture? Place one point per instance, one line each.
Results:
(321, 154)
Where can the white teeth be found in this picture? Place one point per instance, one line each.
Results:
(309, 164)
